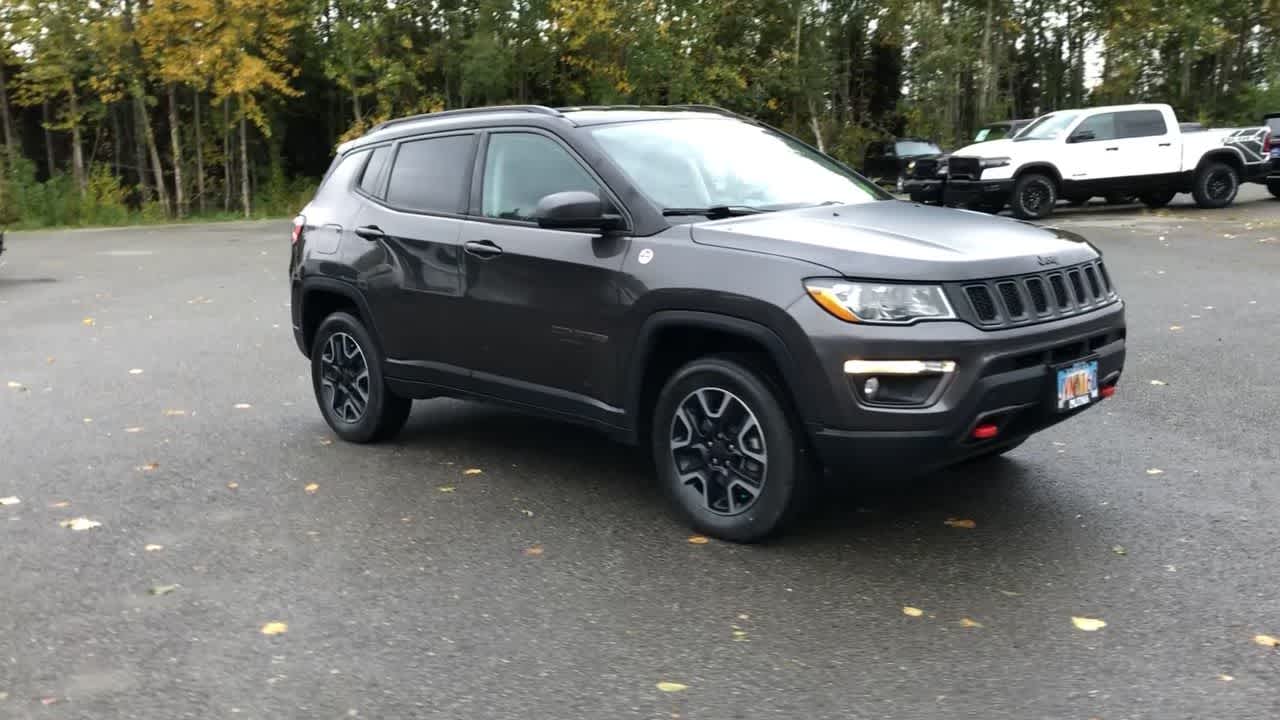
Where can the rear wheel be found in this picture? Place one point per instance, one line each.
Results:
(1157, 199)
(1215, 185)
(346, 373)
(727, 451)
(1033, 196)
(1274, 187)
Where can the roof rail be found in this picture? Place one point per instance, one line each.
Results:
(685, 107)
(537, 109)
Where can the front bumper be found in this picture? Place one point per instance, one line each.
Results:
(1005, 377)
(926, 191)
(967, 193)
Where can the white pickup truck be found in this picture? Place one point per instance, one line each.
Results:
(1118, 150)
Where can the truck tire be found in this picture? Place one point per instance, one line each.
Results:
(346, 374)
(1157, 198)
(1274, 187)
(1034, 195)
(1215, 185)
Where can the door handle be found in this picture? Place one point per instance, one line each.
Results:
(483, 249)
(1110, 149)
(1165, 144)
(370, 232)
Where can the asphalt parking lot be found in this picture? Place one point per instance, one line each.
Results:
(487, 565)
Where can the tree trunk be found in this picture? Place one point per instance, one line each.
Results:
(140, 149)
(117, 145)
(244, 162)
(175, 144)
(48, 136)
(226, 155)
(355, 102)
(984, 96)
(10, 140)
(199, 150)
(150, 137)
(77, 152)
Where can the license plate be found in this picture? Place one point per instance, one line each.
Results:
(1077, 385)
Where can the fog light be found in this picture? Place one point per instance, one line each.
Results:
(1107, 391)
(986, 431)
(870, 387)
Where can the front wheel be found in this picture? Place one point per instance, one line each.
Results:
(1157, 199)
(1033, 198)
(1274, 187)
(727, 451)
(346, 373)
(1215, 185)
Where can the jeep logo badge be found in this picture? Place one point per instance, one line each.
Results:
(1043, 260)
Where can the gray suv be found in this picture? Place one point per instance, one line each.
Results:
(750, 310)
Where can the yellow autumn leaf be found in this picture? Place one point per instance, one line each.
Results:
(88, 322)
(149, 467)
(60, 504)
(1175, 328)
(275, 628)
(1087, 624)
(1266, 640)
(233, 485)
(80, 523)
(446, 488)
(966, 622)
(1159, 382)
(670, 687)
(472, 471)
(50, 360)
(698, 540)
(152, 547)
(1154, 471)
(15, 385)
(912, 611)
(1225, 678)
(311, 488)
(960, 523)
(134, 429)
(534, 551)
(326, 441)
(88, 420)
(174, 413)
(10, 500)
(242, 406)
(135, 371)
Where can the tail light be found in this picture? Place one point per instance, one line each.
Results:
(1266, 143)
(298, 223)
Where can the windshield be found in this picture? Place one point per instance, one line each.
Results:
(917, 147)
(721, 162)
(1049, 127)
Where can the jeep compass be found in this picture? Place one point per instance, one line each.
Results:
(750, 310)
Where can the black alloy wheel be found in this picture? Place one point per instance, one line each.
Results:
(1215, 185)
(1034, 196)
(718, 448)
(346, 374)
(344, 377)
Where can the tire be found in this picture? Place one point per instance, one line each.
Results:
(344, 337)
(716, 418)
(1157, 198)
(1034, 195)
(1215, 185)
(1274, 188)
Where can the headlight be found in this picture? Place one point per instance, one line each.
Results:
(911, 167)
(994, 162)
(879, 302)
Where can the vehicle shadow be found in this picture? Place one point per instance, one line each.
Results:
(6, 281)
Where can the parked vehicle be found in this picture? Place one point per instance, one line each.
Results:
(926, 176)
(1272, 121)
(1130, 149)
(749, 309)
(885, 162)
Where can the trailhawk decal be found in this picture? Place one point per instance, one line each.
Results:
(1249, 143)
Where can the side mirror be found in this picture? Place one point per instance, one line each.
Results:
(1081, 136)
(575, 210)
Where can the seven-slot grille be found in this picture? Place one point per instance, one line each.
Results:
(925, 168)
(1036, 297)
(964, 168)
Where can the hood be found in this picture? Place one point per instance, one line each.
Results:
(991, 148)
(899, 240)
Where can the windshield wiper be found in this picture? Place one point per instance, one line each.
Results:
(714, 212)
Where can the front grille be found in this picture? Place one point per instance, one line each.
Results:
(925, 168)
(964, 168)
(1036, 297)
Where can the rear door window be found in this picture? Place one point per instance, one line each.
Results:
(1140, 123)
(432, 174)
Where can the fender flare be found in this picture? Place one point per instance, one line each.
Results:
(312, 285)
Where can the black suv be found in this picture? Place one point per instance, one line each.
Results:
(750, 309)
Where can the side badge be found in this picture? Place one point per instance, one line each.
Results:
(645, 256)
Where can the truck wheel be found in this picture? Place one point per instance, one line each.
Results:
(1033, 197)
(727, 451)
(1157, 199)
(1215, 185)
(1274, 187)
(346, 373)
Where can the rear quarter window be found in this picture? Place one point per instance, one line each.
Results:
(432, 174)
(372, 175)
(340, 178)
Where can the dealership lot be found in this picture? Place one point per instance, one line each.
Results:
(151, 384)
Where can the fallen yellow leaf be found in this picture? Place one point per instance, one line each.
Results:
(80, 523)
(670, 687)
(172, 413)
(59, 504)
(1154, 471)
(135, 371)
(1159, 382)
(958, 523)
(50, 360)
(233, 485)
(472, 471)
(275, 628)
(740, 635)
(133, 429)
(243, 406)
(1087, 624)
(698, 540)
(966, 622)
(152, 547)
(446, 488)
(1225, 678)
(1266, 640)
(149, 466)
(88, 322)
(11, 500)
(311, 488)
(1175, 328)
(88, 420)
(162, 589)
(534, 551)
(326, 441)
(912, 611)
(15, 385)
